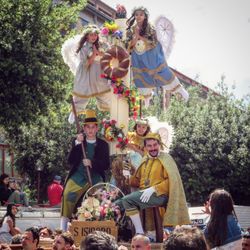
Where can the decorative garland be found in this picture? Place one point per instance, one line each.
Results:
(122, 91)
(111, 133)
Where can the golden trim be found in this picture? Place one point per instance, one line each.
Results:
(150, 71)
(89, 96)
(157, 77)
(139, 77)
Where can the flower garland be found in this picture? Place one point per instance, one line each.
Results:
(111, 29)
(111, 133)
(131, 94)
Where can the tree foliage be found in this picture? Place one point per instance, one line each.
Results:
(32, 69)
(35, 84)
(211, 146)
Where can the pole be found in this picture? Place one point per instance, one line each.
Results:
(38, 187)
(82, 146)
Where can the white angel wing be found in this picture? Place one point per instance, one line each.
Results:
(165, 130)
(165, 34)
(68, 51)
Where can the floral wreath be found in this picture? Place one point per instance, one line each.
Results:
(142, 9)
(90, 28)
(113, 133)
(122, 91)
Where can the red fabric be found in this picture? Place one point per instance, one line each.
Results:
(54, 193)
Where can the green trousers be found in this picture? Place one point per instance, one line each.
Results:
(132, 203)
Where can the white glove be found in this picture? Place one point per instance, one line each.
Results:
(146, 194)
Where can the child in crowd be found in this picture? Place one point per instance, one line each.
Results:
(8, 224)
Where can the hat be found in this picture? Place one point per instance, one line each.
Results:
(57, 178)
(154, 136)
(90, 117)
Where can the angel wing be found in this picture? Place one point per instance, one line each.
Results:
(165, 130)
(68, 51)
(165, 34)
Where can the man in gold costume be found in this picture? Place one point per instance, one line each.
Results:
(159, 184)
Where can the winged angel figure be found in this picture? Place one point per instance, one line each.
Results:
(150, 47)
(82, 54)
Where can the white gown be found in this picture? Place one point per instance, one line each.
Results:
(88, 82)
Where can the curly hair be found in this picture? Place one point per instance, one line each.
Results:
(99, 241)
(185, 238)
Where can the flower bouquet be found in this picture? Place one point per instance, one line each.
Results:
(111, 29)
(98, 203)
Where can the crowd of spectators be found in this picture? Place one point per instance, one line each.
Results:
(222, 232)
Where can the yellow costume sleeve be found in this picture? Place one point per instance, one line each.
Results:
(163, 187)
(134, 180)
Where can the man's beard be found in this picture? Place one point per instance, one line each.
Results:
(153, 153)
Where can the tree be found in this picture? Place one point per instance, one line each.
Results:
(211, 146)
(35, 83)
(33, 75)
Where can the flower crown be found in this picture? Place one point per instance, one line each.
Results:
(90, 28)
(142, 9)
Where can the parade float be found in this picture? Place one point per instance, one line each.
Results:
(98, 210)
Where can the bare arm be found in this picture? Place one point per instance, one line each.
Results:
(13, 230)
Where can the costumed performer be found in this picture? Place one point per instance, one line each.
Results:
(159, 184)
(88, 82)
(135, 141)
(149, 65)
(97, 152)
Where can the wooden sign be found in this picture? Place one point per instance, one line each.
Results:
(80, 229)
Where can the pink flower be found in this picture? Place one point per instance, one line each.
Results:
(119, 139)
(104, 31)
(113, 122)
(127, 92)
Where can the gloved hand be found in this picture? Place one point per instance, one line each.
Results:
(146, 194)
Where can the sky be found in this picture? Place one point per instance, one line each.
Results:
(212, 39)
